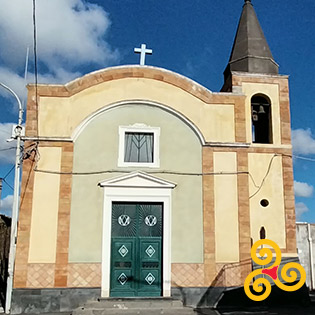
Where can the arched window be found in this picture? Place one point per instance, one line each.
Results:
(261, 119)
(262, 233)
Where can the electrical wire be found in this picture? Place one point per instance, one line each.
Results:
(264, 178)
(7, 149)
(6, 132)
(35, 61)
(303, 158)
(7, 184)
(258, 186)
(8, 173)
(127, 172)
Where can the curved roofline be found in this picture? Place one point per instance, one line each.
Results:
(121, 72)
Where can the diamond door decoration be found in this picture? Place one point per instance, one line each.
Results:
(150, 278)
(122, 279)
(136, 249)
(150, 251)
(123, 251)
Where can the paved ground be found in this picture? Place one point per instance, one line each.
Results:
(307, 310)
(283, 310)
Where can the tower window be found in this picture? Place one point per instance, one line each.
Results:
(261, 119)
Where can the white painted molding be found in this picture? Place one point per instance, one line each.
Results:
(137, 179)
(140, 128)
(77, 131)
(136, 187)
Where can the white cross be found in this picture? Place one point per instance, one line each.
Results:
(143, 51)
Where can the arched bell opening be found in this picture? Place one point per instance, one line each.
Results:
(261, 119)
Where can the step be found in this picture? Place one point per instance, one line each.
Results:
(138, 311)
(132, 306)
(131, 303)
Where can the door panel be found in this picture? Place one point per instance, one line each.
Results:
(150, 266)
(136, 249)
(123, 271)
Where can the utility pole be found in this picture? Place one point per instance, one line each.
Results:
(0, 190)
(15, 208)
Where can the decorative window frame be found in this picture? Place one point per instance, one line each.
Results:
(141, 128)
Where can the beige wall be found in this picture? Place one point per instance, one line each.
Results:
(226, 208)
(96, 149)
(272, 91)
(216, 122)
(271, 217)
(43, 238)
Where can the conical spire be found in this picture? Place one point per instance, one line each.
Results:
(250, 52)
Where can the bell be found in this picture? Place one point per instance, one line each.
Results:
(254, 115)
(261, 110)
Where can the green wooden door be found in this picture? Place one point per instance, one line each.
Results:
(136, 249)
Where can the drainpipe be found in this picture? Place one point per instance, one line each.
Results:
(310, 241)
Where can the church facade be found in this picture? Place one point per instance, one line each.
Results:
(144, 183)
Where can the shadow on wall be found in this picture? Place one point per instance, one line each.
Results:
(5, 231)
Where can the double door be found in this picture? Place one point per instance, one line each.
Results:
(136, 249)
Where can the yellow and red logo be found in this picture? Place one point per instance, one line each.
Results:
(288, 273)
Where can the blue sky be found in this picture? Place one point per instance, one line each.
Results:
(193, 38)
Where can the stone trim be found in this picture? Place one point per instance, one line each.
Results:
(187, 275)
(24, 226)
(243, 213)
(84, 275)
(289, 204)
(117, 73)
(31, 123)
(40, 276)
(62, 250)
(208, 216)
(284, 101)
(240, 121)
(285, 112)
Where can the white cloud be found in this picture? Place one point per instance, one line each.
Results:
(7, 155)
(14, 82)
(300, 208)
(18, 85)
(69, 32)
(303, 189)
(303, 141)
(6, 205)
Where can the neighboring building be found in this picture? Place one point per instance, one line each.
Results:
(305, 235)
(145, 183)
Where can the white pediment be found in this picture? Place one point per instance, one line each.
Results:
(137, 179)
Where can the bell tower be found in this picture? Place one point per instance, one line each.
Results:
(253, 72)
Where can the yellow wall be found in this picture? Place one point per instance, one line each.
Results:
(271, 217)
(272, 91)
(226, 208)
(43, 239)
(216, 122)
(96, 149)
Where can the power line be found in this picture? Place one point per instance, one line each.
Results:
(264, 178)
(8, 173)
(6, 132)
(35, 59)
(7, 149)
(127, 172)
(7, 183)
(303, 158)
